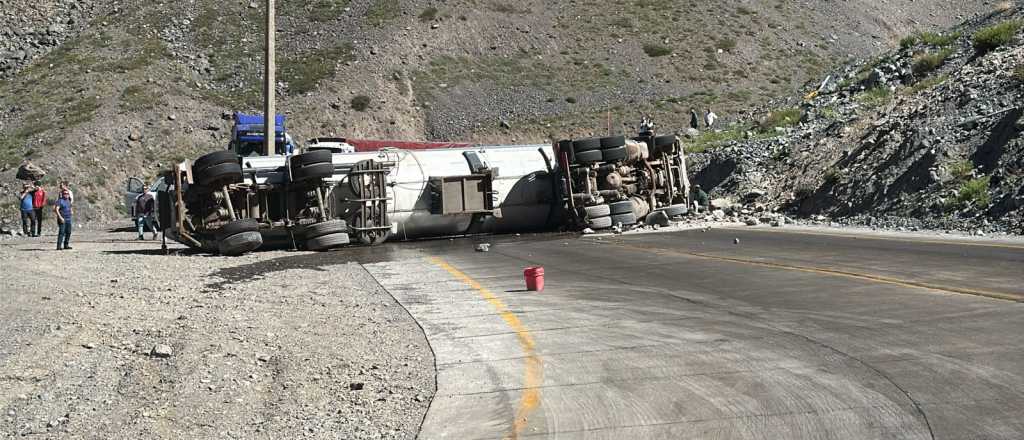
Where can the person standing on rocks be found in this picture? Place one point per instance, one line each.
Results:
(65, 219)
(28, 212)
(709, 119)
(39, 205)
(144, 207)
(694, 119)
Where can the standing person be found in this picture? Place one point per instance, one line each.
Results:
(709, 118)
(65, 219)
(39, 205)
(144, 207)
(28, 213)
(694, 120)
(65, 187)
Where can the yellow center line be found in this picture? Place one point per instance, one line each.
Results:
(842, 273)
(534, 368)
(950, 242)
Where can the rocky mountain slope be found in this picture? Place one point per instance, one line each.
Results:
(926, 136)
(95, 91)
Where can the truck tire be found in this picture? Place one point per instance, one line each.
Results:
(596, 211)
(565, 146)
(582, 145)
(310, 158)
(221, 173)
(623, 207)
(588, 157)
(664, 141)
(328, 241)
(321, 170)
(237, 227)
(625, 219)
(215, 158)
(675, 210)
(323, 228)
(612, 142)
(600, 223)
(240, 243)
(613, 154)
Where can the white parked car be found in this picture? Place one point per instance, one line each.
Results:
(334, 145)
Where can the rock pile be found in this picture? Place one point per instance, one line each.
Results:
(928, 136)
(33, 28)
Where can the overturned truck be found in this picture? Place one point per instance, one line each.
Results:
(318, 200)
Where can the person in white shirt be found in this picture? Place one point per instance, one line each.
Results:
(709, 119)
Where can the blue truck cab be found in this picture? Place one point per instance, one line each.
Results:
(247, 135)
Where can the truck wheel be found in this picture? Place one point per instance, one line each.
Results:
(613, 154)
(237, 227)
(566, 147)
(612, 142)
(321, 170)
(304, 159)
(588, 157)
(625, 219)
(323, 228)
(215, 158)
(623, 207)
(597, 211)
(600, 223)
(582, 145)
(664, 141)
(221, 173)
(240, 243)
(675, 210)
(326, 242)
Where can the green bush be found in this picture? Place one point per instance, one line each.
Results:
(908, 41)
(786, 117)
(875, 97)
(992, 37)
(1018, 73)
(938, 40)
(656, 50)
(360, 103)
(726, 44)
(570, 100)
(975, 192)
(961, 170)
(428, 14)
(927, 62)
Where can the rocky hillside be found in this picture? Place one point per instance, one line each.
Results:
(95, 91)
(926, 136)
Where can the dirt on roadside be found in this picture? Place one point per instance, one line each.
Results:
(114, 340)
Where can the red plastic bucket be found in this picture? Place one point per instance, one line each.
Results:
(534, 278)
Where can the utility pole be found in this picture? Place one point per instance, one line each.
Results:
(269, 115)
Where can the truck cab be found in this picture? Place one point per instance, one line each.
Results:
(247, 135)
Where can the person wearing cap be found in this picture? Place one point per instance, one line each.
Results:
(39, 205)
(64, 211)
(28, 212)
(143, 209)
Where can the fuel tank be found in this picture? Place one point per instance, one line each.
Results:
(521, 184)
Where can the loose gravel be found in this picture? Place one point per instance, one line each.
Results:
(115, 340)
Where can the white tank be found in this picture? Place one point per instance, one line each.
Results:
(524, 189)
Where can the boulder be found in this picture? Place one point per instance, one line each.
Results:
(30, 171)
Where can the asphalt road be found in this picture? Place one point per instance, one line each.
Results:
(688, 335)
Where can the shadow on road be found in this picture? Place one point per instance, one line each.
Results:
(158, 251)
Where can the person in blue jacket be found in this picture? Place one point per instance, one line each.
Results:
(65, 213)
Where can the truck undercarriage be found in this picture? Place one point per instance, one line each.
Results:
(318, 200)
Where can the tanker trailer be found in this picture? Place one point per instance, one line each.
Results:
(318, 200)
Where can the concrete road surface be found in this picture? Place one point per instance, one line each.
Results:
(688, 335)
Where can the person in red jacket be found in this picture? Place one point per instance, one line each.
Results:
(39, 205)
